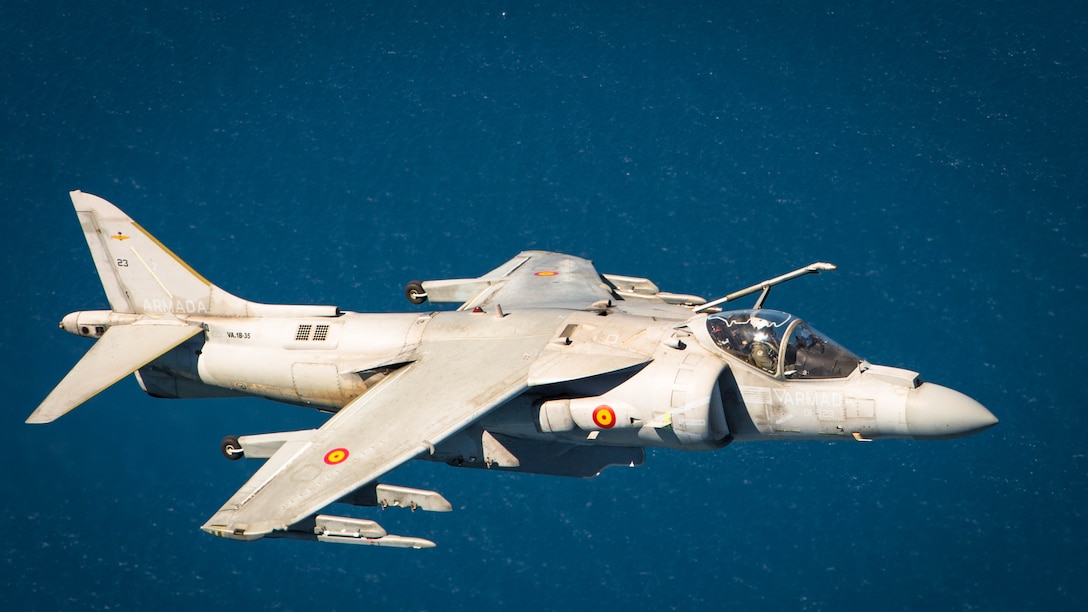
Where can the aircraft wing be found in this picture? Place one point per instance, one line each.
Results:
(533, 279)
(451, 384)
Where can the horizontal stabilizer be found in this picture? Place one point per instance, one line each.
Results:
(122, 350)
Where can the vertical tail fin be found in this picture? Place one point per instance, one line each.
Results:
(140, 275)
(143, 280)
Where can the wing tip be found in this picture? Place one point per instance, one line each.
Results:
(36, 418)
(50, 410)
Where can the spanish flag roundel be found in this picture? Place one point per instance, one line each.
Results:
(604, 417)
(336, 455)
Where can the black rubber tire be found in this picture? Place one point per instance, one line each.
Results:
(414, 292)
(229, 444)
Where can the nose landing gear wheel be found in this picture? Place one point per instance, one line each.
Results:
(231, 449)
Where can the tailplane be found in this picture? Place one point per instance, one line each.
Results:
(120, 351)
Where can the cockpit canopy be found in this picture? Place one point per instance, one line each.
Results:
(778, 342)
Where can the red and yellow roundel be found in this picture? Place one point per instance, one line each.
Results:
(604, 417)
(546, 273)
(336, 455)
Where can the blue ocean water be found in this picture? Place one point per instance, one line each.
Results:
(329, 153)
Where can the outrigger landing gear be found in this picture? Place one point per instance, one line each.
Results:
(231, 448)
(415, 293)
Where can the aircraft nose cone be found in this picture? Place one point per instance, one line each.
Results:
(936, 412)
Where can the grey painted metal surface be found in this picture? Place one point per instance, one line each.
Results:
(546, 367)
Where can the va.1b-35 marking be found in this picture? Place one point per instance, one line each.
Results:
(546, 367)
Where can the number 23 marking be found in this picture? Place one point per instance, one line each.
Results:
(122, 263)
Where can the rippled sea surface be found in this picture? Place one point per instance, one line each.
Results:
(330, 152)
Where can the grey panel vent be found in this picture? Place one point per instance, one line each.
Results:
(304, 332)
(321, 333)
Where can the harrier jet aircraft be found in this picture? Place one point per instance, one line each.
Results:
(546, 367)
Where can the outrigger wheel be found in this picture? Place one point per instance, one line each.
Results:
(415, 293)
(231, 448)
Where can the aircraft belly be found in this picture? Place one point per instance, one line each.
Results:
(317, 383)
(253, 371)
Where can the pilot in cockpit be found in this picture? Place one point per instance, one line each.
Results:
(748, 336)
